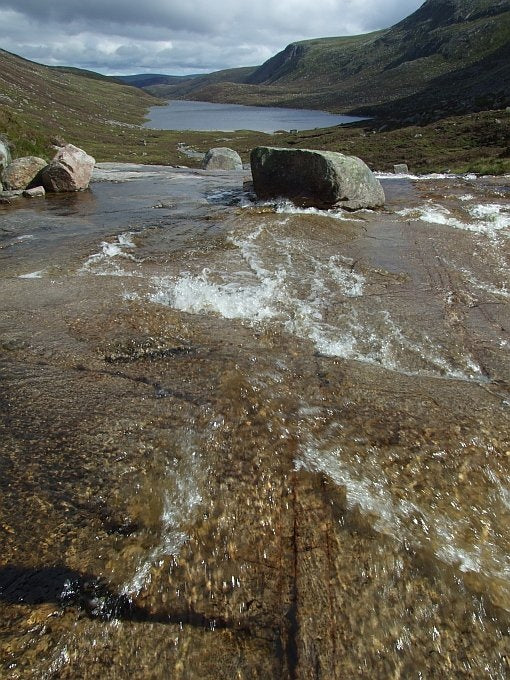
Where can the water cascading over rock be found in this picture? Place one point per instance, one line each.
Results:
(321, 179)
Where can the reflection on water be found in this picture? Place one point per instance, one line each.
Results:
(247, 440)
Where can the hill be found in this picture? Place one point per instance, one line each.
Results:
(449, 56)
(145, 80)
(40, 102)
(196, 84)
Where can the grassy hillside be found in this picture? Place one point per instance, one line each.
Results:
(449, 54)
(146, 80)
(38, 102)
(192, 84)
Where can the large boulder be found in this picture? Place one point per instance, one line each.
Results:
(222, 158)
(22, 171)
(70, 170)
(5, 153)
(320, 179)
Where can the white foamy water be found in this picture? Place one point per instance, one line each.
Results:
(285, 207)
(489, 219)
(430, 176)
(33, 275)
(106, 261)
(125, 172)
(314, 296)
(429, 528)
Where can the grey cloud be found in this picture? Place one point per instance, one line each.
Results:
(174, 37)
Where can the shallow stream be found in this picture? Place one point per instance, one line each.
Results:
(244, 440)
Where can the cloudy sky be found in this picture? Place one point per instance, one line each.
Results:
(180, 36)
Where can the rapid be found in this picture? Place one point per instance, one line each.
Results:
(241, 439)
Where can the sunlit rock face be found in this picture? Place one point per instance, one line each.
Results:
(70, 170)
(5, 154)
(22, 171)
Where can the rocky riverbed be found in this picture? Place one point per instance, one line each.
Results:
(244, 440)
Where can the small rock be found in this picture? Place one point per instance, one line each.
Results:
(222, 158)
(35, 192)
(58, 141)
(401, 169)
(7, 197)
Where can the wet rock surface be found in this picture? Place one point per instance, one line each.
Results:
(243, 440)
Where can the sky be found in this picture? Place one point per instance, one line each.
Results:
(180, 36)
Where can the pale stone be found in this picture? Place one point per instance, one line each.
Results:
(22, 171)
(5, 154)
(222, 158)
(70, 170)
(401, 169)
(35, 192)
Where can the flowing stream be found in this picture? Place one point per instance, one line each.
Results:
(245, 440)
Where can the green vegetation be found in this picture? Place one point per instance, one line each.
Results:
(38, 103)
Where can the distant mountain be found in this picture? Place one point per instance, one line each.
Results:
(448, 55)
(149, 79)
(186, 85)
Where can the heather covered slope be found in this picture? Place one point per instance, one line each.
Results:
(39, 102)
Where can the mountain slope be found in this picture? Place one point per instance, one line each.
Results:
(187, 85)
(145, 80)
(39, 102)
(427, 56)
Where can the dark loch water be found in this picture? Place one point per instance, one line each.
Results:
(203, 116)
(246, 441)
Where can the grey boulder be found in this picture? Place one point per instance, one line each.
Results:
(401, 169)
(70, 170)
(314, 178)
(222, 158)
(22, 171)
